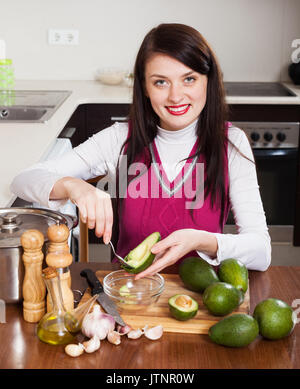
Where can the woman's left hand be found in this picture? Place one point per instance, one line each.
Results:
(169, 250)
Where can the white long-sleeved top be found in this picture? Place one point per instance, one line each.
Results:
(99, 155)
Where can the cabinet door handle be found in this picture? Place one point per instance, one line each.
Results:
(119, 118)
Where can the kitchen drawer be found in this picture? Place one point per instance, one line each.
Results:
(100, 116)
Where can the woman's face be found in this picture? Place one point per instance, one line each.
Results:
(177, 93)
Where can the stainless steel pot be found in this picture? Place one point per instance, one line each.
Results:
(13, 222)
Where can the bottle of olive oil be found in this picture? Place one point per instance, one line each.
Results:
(51, 328)
(60, 326)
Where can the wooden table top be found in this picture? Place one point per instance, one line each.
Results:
(21, 349)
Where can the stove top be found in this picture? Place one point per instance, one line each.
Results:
(257, 89)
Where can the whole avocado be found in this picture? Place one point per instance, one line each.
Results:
(235, 273)
(275, 318)
(237, 330)
(197, 274)
(221, 298)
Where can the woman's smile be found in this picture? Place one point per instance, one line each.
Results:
(178, 109)
(177, 93)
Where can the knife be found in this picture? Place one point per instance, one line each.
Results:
(96, 288)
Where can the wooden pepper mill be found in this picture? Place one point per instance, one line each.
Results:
(59, 256)
(58, 235)
(34, 289)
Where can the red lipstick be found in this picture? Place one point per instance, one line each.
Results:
(178, 110)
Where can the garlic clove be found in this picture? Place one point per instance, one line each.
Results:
(114, 337)
(153, 333)
(74, 350)
(91, 345)
(123, 330)
(135, 334)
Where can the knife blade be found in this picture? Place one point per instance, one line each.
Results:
(96, 288)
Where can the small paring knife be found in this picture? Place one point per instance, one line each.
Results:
(96, 288)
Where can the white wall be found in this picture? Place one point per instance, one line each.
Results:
(252, 38)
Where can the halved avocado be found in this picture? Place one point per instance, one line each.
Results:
(141, 257)
(183, 307)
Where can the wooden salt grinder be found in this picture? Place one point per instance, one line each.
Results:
(34, 289)
(59, 256)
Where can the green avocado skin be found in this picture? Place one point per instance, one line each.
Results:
(235, 273)
(144, 266)
(237, 330)
(182, 316)
(196, 274)
(221, 298)
(148, 261)
(275, 318)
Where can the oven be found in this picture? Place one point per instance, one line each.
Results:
(275, 149)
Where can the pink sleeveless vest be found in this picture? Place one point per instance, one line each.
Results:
(152, 203)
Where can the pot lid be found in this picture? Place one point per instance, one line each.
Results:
(14, 221)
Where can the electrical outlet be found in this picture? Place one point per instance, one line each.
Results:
(63, 37)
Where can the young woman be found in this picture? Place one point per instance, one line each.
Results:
(186, 166)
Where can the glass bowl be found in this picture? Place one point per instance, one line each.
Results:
(133, 295)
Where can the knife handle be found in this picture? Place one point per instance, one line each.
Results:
(92, 280)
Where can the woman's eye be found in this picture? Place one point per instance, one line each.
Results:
(189, 79)
(160, 82)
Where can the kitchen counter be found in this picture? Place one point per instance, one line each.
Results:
(21, 349)
(23, 144)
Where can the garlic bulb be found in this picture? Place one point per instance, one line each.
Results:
(135, 334)
(114, 337)
(74, 350)
(97, 324)
(91, 345)
(153, 333)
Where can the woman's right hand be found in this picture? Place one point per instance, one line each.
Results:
(95, 207)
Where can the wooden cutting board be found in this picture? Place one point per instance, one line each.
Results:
(159, 312)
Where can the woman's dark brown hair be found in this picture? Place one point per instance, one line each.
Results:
(188, 46)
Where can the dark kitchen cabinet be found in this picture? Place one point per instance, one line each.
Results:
(88, 119)
(100, 116)
(77, 121)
